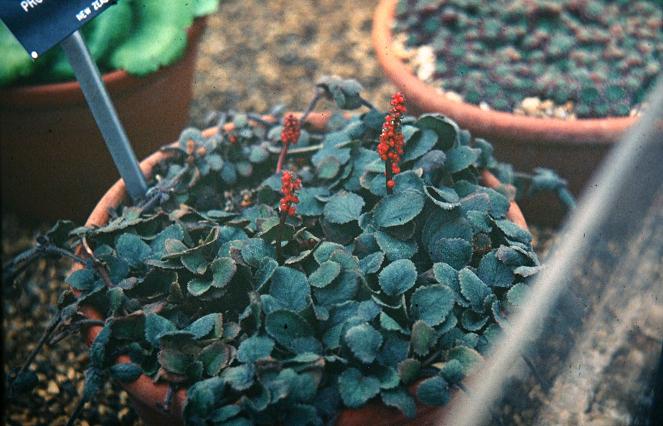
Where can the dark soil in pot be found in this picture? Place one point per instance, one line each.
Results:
(562, 59)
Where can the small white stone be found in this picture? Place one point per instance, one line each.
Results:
(425, 62)
(530, 105)
(453, 96)
(484, 106)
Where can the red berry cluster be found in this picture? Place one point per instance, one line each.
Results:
(291, 130)
(289, 184)
(392, 142)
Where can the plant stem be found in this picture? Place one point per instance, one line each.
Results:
(18, 264)
(77, 411)
(98, 264)
(42, 340)
(284, 153)
(311, 105)
(367, 104)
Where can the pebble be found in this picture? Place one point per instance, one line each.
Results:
(424, 62)
(530, 105)
(453, 96)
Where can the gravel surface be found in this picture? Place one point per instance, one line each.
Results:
(254, 55)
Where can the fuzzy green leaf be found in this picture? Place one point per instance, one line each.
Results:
(432, 304)
(364, 342)
(433, 391)
(356, 389)
(343, 207)
(255, 348)
(291, 288)
(398, 277)
(399, 208)
(325, 274)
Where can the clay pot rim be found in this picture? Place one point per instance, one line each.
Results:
(69, 92)
(144, 389)
(592, 131)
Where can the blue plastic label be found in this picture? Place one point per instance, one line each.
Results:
(41, 24)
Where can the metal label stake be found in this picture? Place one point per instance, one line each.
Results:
(104, 113)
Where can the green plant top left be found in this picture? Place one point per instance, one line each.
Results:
(138, 36)
(352, 296)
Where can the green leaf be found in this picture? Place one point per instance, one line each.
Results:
(493, 272)
(456, 252)
(343, 207)
(398, 277)
(423, 338)
(133, 249)
(159, 37)
(285, 326)
(126, 372)
(239, 378)
(204, 325)
(290, 287)
(432, 304)
(513, 231)
(198, 286)
(255, 348)
(309, 204)
(408, 370)
(452, 371)
(390, 324)
(371, 263)
(155, 326)
(255, 249)
(517, 294)
(223, 269)
(82, 279)
(433, 391)
(202, 397)
(446, 198)
(420, 143)
(364, 342)
(328, 168)
(472, 321)
(472, 288)
(467, 357)
(461, 158)
(216, 356)
(356, 389)
(175, 361)
(394, 248)
(399, 208)
(399, 398)
(195, 262)
(446, 130)
(325, 274)
(264, 271)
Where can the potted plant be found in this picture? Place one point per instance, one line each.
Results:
(551, 83)
(275, 274)
(146, 50)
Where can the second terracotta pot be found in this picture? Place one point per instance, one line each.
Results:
(55, 164)
(573, 148)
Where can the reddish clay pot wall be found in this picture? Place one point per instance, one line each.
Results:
(145, 394)
(54, 160)
(572, 148)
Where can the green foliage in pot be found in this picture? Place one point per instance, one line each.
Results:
(285, 297)
(602, 55)
(138, 36)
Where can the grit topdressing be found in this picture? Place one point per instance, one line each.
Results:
(601, 55)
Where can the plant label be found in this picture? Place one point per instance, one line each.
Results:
(41, 24)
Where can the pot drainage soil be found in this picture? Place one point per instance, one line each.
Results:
(565, 59)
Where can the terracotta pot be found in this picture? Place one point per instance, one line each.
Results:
(54, 160)
(146, 395)
(572, 148)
